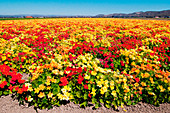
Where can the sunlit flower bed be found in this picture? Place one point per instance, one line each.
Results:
(114, 62)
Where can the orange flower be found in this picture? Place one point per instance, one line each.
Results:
(41, 95)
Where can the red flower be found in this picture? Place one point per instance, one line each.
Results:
(89, 95)
(122, 64)
(21, 81)
(4, 83)
(17, 88)
(11, 88)
(80, 79)
(137, 79)
(85, 86)
(26, 98)
(4, 69)
(140, 92)
(64, 81)
(20, 91)
(85, 69)
(24, 88)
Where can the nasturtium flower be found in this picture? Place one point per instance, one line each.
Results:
(41, 87)
(80, 79)
(103, 90)
(161, 88)
(93, 92)
(143, 83)
(133, 63)
(60, 96)
(36, 90)
(30, 99)
(41, 95)
(47, 82)
(85, 86)
(30, 88)
(114, 93)
(99, 83)
(64, 81)
(151, 93)
(3, 58)
(93, 72)
(63, 90)
(67, 88)
(87, 77)
(50, 95)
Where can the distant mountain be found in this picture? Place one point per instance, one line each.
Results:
(147, 14)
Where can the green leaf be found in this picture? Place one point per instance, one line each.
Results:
(97, 105)
(108, 105)
(94, 100)
(6, 92)
(0, 93)
(133, 103)
(8, 84)
(85, 96)
(84, 104)
(78, 94)
(114, 103)
(129, 103)
(101, 100)
(89, 86)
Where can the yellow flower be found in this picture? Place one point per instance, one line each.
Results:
(27, 84)
(47, 82)
(87, 77)
(50, 95)
(161, 88)
(41, 95)
(3, 58)
(61, 72)
(136, 84)
(53, 80)
(56, 71)
(151, 93)
(151, 79)
(64, 90)
(67, 88)
(41, 87)
(93, 92)
(67, 94)
(137, 71)
(112, 83)
(168, 88)
(124, 79)
(99, 83)
(60, 96)
(48, 87)
(103, 90)
(133, 63)
(30, 88)
(71, 97)
(30, 99)
(36, 90)
(143, 83)
(114, 93)
(93, 72)
(146, 75)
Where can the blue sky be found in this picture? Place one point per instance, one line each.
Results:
(80, 7)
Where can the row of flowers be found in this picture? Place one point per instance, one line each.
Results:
(113, 62)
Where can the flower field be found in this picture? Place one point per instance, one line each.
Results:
(114, 62)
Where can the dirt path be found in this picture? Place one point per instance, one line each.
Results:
(8, 105)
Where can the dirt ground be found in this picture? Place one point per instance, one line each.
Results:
(8, 105)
